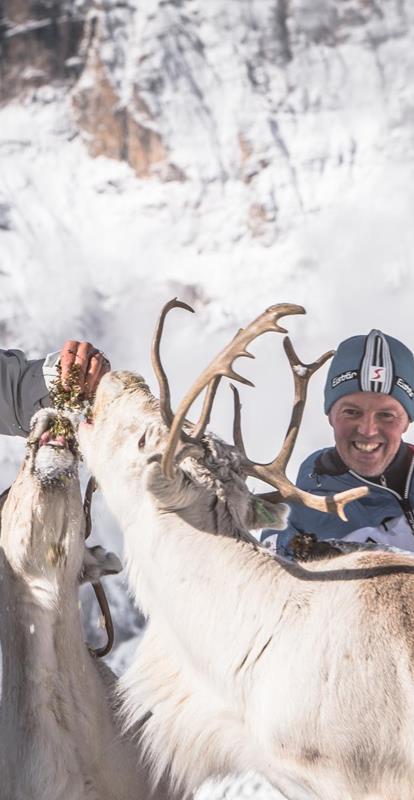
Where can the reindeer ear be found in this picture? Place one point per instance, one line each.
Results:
(263, 513)
(98, 562)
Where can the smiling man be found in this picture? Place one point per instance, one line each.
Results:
(369, 400)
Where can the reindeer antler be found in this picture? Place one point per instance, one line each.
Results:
(222, 366)
(274, 472)
(165, 397)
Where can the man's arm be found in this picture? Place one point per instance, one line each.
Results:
(23, 391)
(25, 383)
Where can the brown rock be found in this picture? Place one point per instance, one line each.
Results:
(111, 129)
(39, 44)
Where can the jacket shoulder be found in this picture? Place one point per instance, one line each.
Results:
(306, 473)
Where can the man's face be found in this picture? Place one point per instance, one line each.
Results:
(368, 429)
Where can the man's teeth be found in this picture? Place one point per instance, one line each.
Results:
(366, 447)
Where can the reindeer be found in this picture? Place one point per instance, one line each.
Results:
(303, 672)
(59, 739)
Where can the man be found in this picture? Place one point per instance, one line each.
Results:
(25, 384)
(369, 400)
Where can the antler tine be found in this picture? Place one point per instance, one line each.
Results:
(222, 366)
(206, 410)
(237, 432)
(274, 472)
(334, 504)
(302, 374)
(165, 397)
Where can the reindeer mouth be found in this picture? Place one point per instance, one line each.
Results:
(53, 447)
(47, 439)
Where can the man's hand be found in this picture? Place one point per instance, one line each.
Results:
(92, 365)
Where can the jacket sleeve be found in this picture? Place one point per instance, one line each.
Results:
(23, 391)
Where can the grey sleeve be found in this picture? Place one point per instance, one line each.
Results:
(22, 391)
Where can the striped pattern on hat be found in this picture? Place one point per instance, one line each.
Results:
(376, 370)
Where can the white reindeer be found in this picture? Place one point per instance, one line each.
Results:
(58, 735)
(304, 673)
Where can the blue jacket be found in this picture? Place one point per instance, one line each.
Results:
(384, 515)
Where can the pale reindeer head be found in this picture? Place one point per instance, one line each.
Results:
(42, 517)
(44, 505)
(180, 466)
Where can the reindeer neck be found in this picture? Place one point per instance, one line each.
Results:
(39, 600)
(179, 572)
(35, 629)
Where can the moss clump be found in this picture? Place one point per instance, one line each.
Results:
(69, 397)
(62, 427)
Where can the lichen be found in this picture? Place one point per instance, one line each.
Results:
(69, 396)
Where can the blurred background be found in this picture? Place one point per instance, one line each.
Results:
(232, 153)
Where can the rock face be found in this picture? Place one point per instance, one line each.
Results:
(110, 102)
(268, 95)
(39, 43)
(188, 90)
(111, 126)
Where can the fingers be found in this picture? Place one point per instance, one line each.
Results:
(92, 365)
(98, 365)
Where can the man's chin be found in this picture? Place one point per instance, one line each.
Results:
(369, 465)
(368, 468)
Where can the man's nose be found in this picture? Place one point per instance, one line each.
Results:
(368, 425)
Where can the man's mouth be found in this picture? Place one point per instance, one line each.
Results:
(367, 447)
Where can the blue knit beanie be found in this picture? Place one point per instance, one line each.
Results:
(372, 363)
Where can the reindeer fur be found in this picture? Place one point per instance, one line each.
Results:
(304, 673)
(59, 739)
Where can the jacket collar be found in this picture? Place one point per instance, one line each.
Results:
(329, 462)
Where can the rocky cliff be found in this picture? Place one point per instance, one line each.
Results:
(269, 96)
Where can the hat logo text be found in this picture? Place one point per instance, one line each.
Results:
(405, 387)
(345, 376)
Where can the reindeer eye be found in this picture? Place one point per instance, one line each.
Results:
(141, 442)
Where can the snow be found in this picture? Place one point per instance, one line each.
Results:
(317, 212)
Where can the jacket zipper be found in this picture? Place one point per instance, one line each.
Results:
(408, 511)
(403, 501)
